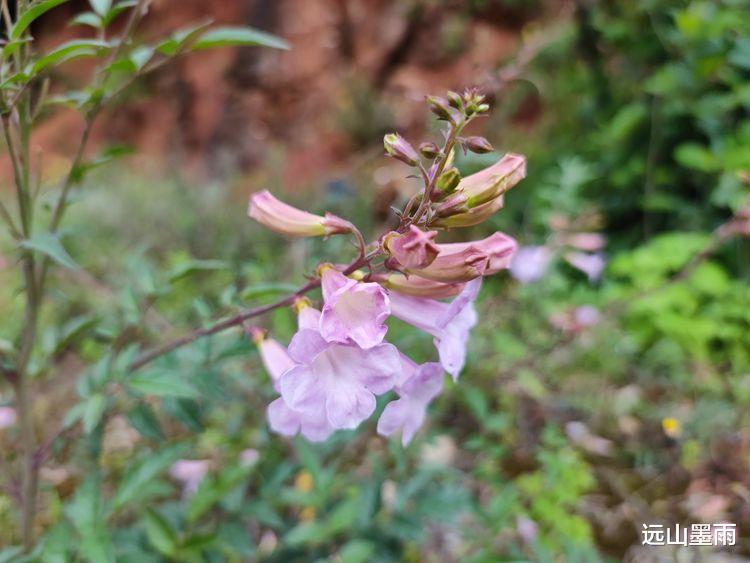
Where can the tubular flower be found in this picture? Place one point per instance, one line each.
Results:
(499, 248)
(420, 287)
(353, 311)
(470, 217)
(337, 382)
(485, 186)
(449, 323)
(282, 419)
(285, 219)
(413, 249)
(423, 383)
(464, 265)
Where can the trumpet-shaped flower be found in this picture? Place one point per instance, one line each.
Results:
(353, 311)
(449, 323)
(337, 382)
(285, 219)
(282, 419)
(485, 186)
(420, 287)
(413, 249)
(467, 260)
(407, 413)
(499, 248)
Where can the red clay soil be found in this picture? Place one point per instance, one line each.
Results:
(356, 68)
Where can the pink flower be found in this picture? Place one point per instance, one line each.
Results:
(337, 382)
(353, 311)
(289, 422)
(285, 219)
(190, 472)
(420, 287)
(7, 417)
(282, 419)
(449, 323)
(407, 413)
(590, 242)
(499, 248)
(590, 264)
(464, 261)
(530, 263)
(485, 186)
(461, 266)
(414, 249)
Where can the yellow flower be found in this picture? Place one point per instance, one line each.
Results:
(671, 427)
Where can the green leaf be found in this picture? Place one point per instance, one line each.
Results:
(87, 18)
(228, 36)
(143, 419)
(267, 290)
(163, 384)
(117, 9)
(86, 515)
(28, 17)
(58, 543)
(174, 44)
(68, 51)
(101, 7)
(213, 489)
(49, 244)
(159, 533)
(192, 266)
(92, 414)
(145, 470)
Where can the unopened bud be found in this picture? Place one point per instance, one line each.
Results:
(455, 100)
(448, 181)
(429, 150)
(400, 149)
(440, 107)
(479, 145)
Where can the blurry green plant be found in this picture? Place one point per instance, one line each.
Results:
(28, 95)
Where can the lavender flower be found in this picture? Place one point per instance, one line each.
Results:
(448, 323)
(407, 413)
(285, 219)
(590, 264)
(530, 263)
(353, 311)
(337, 382)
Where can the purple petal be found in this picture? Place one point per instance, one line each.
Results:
(348, 404)
(404, 414)
(302, 389)
(333, 282)
(308, 319)
(306, 345)
(356, 312)
(282, 419)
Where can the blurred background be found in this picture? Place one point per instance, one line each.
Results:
(608, 381)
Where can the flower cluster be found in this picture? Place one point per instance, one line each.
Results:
(339, 360)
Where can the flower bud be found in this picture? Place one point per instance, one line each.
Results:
(455, 100)
(498, 247)
(419, 287)
(484, 187)
(470, 217)
(479, 145)
(285, 219)
(429, 150)
(448, 182)
(441, 107)
(461, 266)
(413, 249)
(400, 149)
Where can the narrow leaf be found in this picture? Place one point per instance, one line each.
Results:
(49, 244)
(164, 384)
(68, 51)
(227, 36)
(28, 17)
